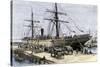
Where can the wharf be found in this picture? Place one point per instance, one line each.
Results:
(66, 59)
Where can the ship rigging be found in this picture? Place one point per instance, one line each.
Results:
(57, 40)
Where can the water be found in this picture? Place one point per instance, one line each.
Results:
(93, 50)
(24, 63)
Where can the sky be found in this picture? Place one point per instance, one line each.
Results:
(82, 16)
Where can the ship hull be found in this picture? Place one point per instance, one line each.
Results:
(76, 42)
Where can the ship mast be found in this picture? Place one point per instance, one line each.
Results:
(56, 20)
(32, 24)
(56, 17)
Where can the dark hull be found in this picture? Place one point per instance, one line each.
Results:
(77, 42)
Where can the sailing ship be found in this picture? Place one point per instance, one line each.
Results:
(75, 41)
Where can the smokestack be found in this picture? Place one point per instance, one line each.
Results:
(42, 32)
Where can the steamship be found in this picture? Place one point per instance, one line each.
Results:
(75, 41)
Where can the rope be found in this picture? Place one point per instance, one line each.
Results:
(28, 32)
(69, 29)
(52, 29)
(72, 21)
(76, 25)
(80, 43)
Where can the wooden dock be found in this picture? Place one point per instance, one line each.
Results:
(51, 60)
(38, 58)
